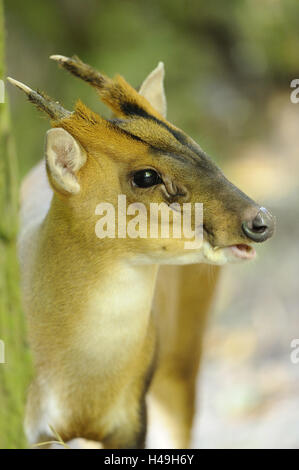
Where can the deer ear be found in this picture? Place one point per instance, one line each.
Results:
(64, 158)
(153, 89)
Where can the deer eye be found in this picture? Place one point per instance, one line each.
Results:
(146, 178)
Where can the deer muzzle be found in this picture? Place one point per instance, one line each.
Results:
(261, 227)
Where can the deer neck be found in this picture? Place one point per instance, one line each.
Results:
(91, 277)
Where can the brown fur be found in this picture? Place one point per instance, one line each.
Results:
(88, 300)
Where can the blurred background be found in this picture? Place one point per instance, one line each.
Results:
(228, 71)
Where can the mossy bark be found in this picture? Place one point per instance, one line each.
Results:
(15, 370)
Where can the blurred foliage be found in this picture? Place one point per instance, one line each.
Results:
(223, 60)
(14, 373)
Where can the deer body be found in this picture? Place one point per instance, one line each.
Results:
(75, 315)
(100, 323)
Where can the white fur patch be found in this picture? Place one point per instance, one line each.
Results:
(206, 254)
(51, 414)
(159, 431)
(118, 308)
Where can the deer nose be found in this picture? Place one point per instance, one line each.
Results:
(261, 227)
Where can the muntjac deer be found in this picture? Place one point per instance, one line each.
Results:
(109, 333)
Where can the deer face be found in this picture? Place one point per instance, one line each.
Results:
(140, 155)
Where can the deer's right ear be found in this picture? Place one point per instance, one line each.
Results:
(153, 89)
(64, 158)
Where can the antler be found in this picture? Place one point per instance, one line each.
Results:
(42, 101)
(123, 99)
(78, 68)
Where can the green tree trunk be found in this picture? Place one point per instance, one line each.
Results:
(14, 372)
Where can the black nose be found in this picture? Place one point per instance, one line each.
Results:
(261, 227)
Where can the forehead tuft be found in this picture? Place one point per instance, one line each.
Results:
(97, 134)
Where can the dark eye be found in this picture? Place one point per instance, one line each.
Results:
(146, 178)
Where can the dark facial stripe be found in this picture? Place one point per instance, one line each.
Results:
(154, 149)
(132, 109)
(160, 151)
(175, 156)
(113, 123)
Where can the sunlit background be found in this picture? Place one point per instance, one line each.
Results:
(228, 71)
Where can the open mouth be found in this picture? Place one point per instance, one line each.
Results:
(243, 251)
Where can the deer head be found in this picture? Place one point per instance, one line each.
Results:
(141, 155)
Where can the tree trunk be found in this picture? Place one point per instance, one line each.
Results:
(15, 370)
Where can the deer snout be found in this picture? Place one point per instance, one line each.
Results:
(261, 227)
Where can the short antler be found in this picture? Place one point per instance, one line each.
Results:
(78, 68)
(123, 99)
(42, 101)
